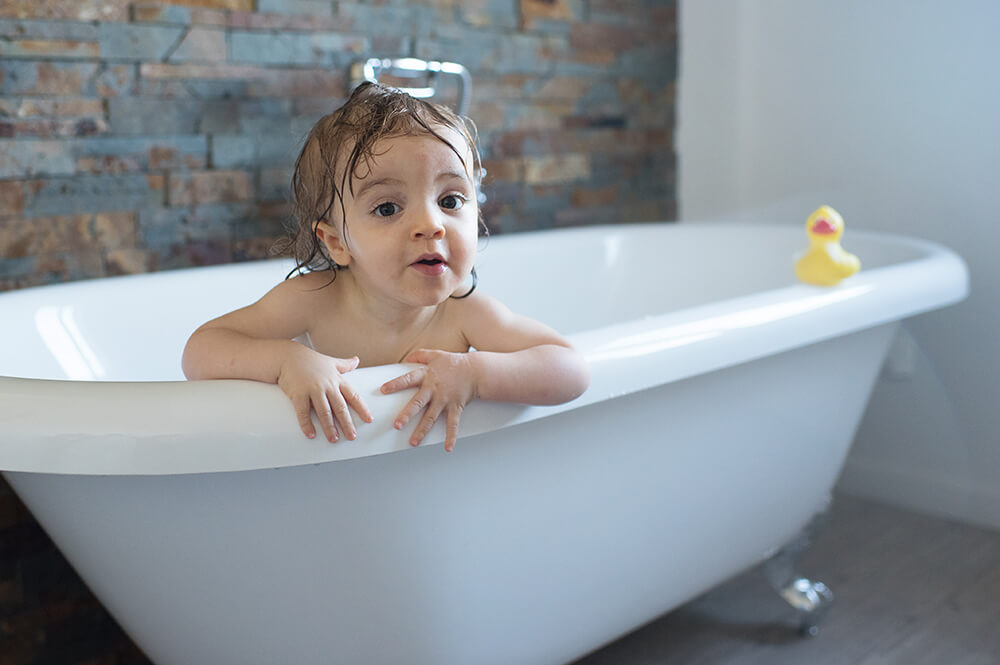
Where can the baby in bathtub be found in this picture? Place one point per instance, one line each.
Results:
(384, 195)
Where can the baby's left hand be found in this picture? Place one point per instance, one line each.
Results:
(446, 384)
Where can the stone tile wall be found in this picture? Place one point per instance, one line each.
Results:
(141, 136)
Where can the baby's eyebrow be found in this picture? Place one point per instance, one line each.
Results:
(451, 175)
(368, 184)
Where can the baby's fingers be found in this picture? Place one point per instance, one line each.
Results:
(326, 419)
(454, 414)
(409, 380)
(353, 398)
(303, 410)
(425, 425)
(341, 413)
(416, 404)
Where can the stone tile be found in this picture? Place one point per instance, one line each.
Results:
(201, 44)
(117, 155)
(534, 142)
(63, 79)
(161, 13)
(19, 158)
(596, 119)
(562, 87)
(597, 36)
(67, 234)
(603, 196)
(179, 15)
(58, 196)
(115, 80)
(556, 168)
(133, 41)
(233, 151)
(46, 78)
(22, 240)
(48, 30)
(294, 49)
(322, 8)
(197, 71)
(219, 116)
(537, 116)
(508, 170)
(53, 127)
(192, 254)
(167, 227)
(259, 21)
(490, 13)
(232, 5)
(209, 187)
(324, 83)
(38, 48)
(142, 116)
(131, 261)
(26, 108)
(534, 11)
(274, 184)
(77, 10)
(587, 216)
(257, 226)
(11, 198)
(113, 230)
(254, 249)
(259, 81)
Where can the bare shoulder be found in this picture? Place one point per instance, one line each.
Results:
(489, 325)
(478, 305)
(306, 286)
(283, 312)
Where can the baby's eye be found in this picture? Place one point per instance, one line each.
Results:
(452, 202)
(386, 209)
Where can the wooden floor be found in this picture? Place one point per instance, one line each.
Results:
(910, 590)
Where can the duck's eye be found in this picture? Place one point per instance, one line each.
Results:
(386, 209)
(452, 202)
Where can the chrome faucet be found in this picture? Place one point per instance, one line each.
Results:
(413, 68)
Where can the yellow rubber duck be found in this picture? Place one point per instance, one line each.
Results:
(825, 263)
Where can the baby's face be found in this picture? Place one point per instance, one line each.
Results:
(411, 221)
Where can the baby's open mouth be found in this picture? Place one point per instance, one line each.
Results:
(429, 260)
(430, 264)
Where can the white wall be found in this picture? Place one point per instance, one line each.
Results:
(890, 112)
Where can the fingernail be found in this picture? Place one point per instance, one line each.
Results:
(310, 435)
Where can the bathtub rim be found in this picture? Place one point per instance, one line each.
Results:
(85, 434)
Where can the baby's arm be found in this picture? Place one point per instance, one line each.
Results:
(518, 360)
(255, 343)
(522, 360)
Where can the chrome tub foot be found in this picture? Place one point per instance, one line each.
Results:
(810, 599)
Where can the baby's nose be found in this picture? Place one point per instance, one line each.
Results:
(427, 225)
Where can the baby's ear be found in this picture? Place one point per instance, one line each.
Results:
(334, 244)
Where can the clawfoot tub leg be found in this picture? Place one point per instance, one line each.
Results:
(810, 598)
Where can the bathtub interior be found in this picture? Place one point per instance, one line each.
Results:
(134, 328)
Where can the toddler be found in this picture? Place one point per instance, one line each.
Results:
(385, 198)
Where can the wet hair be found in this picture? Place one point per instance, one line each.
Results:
(341, 145)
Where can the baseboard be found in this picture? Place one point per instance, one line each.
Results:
(958, 499)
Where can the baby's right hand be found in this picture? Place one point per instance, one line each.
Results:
(314, 382)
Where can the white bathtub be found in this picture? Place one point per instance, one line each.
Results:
(724, 397)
